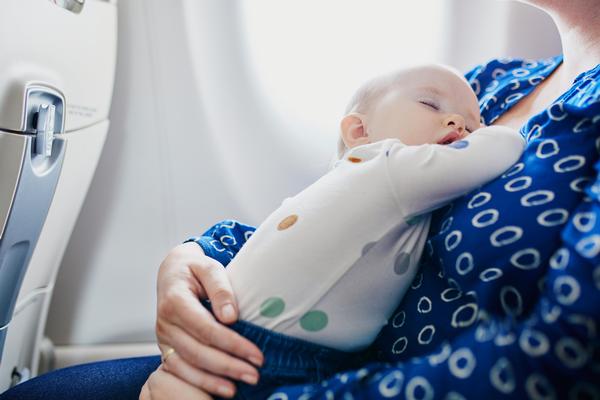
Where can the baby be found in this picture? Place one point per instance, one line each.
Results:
(323, 273)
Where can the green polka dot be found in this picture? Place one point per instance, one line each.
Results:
(402, 263)
(272, 307)
(314, 321)
(413, 220)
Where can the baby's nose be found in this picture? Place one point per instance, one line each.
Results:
(456, 122)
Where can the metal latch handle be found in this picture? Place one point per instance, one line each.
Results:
(45, 129)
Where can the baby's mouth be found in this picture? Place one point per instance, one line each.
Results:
(449, 138)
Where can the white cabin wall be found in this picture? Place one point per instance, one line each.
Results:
(480, 30)
(148, 192)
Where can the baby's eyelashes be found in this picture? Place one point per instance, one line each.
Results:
(430, 103)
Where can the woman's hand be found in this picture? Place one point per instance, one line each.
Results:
(162, 385)
(207, 353)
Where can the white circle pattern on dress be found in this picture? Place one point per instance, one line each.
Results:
(579, 184)
(511, 300)
(399, 319)
(589, 246)
(539, 388)
(464, 263)
(479, 199)
(502, 376)
(424, 305)
(518, 184)
(569, 163)
(534, 343)
(547, 148)
(426, 334)
(534, 132)
(584, 221)
(553, 217)
(485, 218)
(556, 112)
(505, 236)
(560, 259)
(566, 289)
(515, 169)
(464, 315)
(571, 352)
(453, 395)
(490, 274)
(391, 384)
(526, 258)
(453, 240)
(462, 363)
(504, 339)
(400, 345)
(420, 384)
(536, 198)
(451, 294)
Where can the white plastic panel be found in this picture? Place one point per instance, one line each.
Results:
(73, 52)
(12, 149)
(20, 348)
(83, 149)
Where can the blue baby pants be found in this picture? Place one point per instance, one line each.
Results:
(288, 361)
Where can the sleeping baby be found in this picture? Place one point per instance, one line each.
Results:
(322, 274)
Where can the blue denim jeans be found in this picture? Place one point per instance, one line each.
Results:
(105, 380)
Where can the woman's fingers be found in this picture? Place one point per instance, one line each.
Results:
(210, 383)
(183, 310)
(161, 385)
(210, 359)
(214, 280)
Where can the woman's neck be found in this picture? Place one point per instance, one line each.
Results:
(578, 22)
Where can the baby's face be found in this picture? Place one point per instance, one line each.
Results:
(431, 105)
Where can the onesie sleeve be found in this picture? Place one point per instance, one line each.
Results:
(554, 353)
(223, 240)
(426, 177)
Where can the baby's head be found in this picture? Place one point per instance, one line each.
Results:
(425, 104)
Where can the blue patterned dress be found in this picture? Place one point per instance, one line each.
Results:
(507, 300)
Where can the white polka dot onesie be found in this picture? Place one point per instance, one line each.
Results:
(332, 263)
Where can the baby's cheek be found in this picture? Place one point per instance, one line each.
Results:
(420, 136)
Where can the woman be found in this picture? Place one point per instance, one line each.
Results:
(506, 300)
(499, 306)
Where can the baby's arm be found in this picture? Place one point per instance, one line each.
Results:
(428, 176)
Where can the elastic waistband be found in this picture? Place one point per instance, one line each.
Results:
(283, 352)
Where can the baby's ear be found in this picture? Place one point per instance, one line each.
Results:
(354, 131)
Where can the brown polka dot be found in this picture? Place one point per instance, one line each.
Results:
(287, 222)
(368, 247)
(354, 159)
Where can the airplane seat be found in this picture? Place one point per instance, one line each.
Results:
(57, 65)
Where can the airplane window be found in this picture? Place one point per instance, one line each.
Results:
(309, 56)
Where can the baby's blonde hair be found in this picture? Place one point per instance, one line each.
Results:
(365, 98)
(374, 89)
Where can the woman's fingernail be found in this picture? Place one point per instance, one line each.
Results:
(225, 391)
(251, 379)
(255, 360)
(227, 312)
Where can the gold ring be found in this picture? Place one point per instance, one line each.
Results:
(167, 354)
